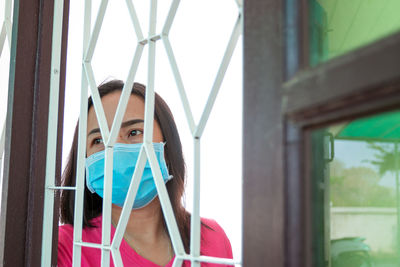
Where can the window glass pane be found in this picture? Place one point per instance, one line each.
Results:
(355, 192)
(338, 26)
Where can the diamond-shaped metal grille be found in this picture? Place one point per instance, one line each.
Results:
(109, 136)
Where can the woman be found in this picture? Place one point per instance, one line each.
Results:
(146, 240)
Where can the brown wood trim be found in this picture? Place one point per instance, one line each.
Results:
(26, 133)
(295, 198)
(360, 103)
(263, 177)
(297, 227)
(296, 37)
(370, 67)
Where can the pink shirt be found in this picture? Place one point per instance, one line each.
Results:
(213, 243)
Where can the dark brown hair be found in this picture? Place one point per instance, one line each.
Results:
(173, 156)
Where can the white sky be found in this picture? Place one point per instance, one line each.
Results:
(199, 36)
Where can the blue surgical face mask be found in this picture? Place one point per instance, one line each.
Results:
(125, 157)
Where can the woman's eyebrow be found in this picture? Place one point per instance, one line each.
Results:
(123, 125)
(131, 122)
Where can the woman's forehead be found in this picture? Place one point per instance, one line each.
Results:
(134, 108)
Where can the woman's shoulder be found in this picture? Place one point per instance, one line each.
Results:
(68, 229)
(211, 223)
(214, 240)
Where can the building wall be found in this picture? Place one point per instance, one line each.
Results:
(377, 225)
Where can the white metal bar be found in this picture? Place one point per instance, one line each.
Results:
(153, 17)
(8, 31)
(2, 144)
(143, 41)
(170, 17)
(177, 262)
(135, 20)
(8, 27)
(195, 218)
(7, 21)
(2, 140)
(239, 3)
(127, 208)
(7, 10)
(52, 131)
(209, 259)
(107, 196)
(117, 259)
(98, 107)
(179, 84)
(3, 34)
(89, 245)
(61, 187)
(149, 99)
(166, 206)
(219, 78)
(80, 178)
(80, 170)
(96, 30)
(130, 199)
(126, 92)
(155, 37)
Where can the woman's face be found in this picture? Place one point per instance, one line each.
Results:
(131, 131)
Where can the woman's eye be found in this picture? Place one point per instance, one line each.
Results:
(135, 132)
(97, 141)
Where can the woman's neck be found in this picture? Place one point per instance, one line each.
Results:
(145, 232)
(143, 224)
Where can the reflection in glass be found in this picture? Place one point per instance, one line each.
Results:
(356, 198)
(339, 26)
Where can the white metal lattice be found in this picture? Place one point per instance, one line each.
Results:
(109, 136)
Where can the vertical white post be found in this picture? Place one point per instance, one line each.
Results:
(80, 170)
(107, 195)
(149, 100)
(52, 133)
(195, 218)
